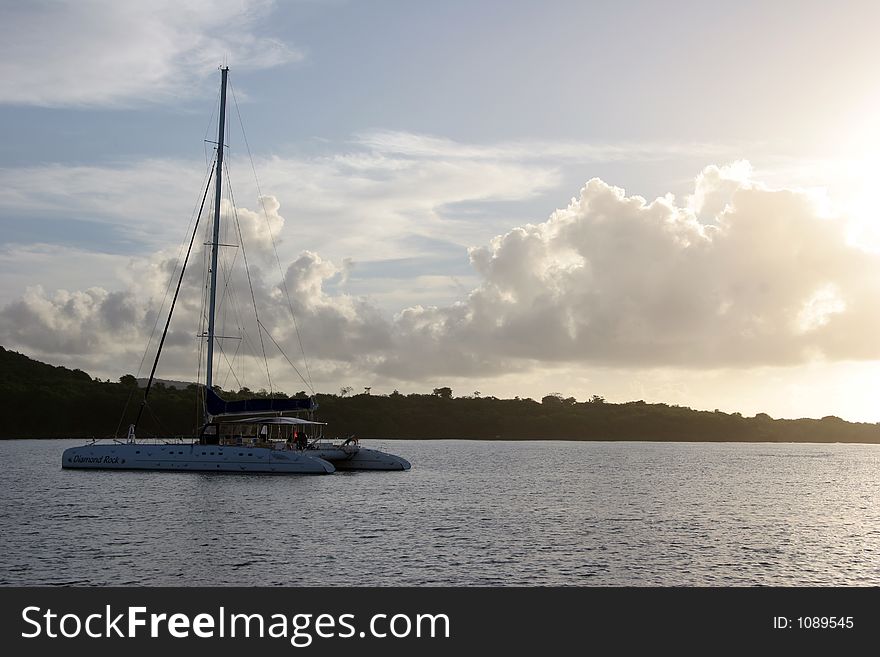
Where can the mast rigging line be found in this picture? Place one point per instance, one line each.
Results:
(229, 290)
(211, 123)
(247, 270)
(243, 339)
(295, 368)
(173, 301)
(274, 248)
(207, 179)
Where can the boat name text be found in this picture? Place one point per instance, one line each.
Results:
(95, 459)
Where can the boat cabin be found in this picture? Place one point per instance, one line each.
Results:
(278, 432)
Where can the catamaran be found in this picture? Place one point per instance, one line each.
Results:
(259, 435)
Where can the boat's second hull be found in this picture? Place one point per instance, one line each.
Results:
(360, 459)
(192, 457)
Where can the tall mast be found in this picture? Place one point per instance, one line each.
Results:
(218, 182)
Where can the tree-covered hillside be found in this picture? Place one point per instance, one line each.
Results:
(39, 400)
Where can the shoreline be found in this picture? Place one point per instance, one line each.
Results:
(538, 440)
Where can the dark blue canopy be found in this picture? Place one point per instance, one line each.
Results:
(216, 405)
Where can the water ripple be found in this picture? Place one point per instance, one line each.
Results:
(468, 513)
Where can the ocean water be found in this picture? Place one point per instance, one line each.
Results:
(469, 513)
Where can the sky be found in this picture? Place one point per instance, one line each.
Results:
(673, 202)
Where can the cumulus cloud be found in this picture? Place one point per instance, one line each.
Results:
(613, 279)
(609, 280)
(108, 330)
(258, 229)
(715, 186)
(764, 279)
(109, 53)
(80, 322)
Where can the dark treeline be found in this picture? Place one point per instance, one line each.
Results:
(43, 401)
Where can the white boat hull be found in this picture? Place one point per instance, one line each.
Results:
(359, 458)
(193, 457)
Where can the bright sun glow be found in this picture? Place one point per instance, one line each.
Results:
(856, 180)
